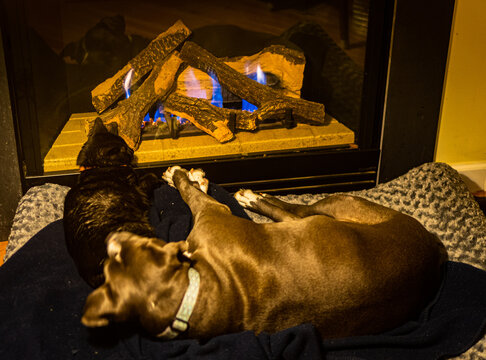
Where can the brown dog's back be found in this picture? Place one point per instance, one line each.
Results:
(346, 278)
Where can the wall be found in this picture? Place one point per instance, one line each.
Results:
(417, 66)
(462, 129)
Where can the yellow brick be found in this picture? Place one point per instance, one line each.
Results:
(65, 149)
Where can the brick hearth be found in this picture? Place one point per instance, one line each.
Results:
(62, 156)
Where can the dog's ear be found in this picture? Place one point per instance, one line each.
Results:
(112, 128)
(98, 127)
(99, 308)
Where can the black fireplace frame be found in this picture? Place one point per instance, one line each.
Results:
(404, 71)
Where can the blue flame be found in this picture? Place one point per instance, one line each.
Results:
(159, 113)
(259, 77)
(217, 99)
(126, 86)
(181, 121)
(193, 87)
(245, 105)
(146, 119)
(128, 82)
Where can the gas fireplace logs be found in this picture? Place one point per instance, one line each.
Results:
(129, 113)
(110, 90)
(271, 103)
(286, 65)
(209, 118)
(167, 83)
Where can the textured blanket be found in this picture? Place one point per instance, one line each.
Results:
(41, 295)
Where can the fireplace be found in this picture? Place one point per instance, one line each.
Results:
(59, 54)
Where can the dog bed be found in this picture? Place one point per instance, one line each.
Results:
(41, 295)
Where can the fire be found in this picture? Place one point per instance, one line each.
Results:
(217, 99)
(193, 84)
(259, 77)
(128, 82)
(159, 113)
(196, 91)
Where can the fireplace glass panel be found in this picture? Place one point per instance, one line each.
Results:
(62, 50)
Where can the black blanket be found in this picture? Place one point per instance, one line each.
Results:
(41, 297)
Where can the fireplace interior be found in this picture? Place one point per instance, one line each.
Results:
(305, 54)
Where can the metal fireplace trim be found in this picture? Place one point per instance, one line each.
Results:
(304, 171)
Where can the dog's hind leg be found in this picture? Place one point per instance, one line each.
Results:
(259, 204)
(352, 208)
(339, 206)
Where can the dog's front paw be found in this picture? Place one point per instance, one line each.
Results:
(197, 176)
(169, 174)
(246, 198)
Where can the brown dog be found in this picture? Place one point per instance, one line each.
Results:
(344, 264)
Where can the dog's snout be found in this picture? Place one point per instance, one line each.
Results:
(115, 243)
(114, 248)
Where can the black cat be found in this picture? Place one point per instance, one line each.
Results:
(109, 196)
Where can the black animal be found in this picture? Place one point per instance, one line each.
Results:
(109, 196)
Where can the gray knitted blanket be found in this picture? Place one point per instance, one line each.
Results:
(432, 193)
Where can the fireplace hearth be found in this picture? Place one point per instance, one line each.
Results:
(165, 151)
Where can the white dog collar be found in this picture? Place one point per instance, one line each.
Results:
(181, 322)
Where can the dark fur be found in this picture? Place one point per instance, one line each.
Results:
(108, 197)
(349, 266)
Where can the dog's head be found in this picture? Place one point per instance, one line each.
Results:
(145, 279)
(104, 44)
(104, 148)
